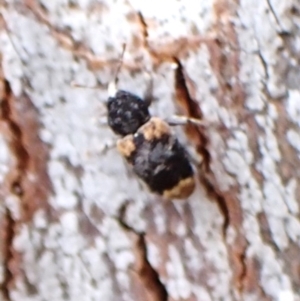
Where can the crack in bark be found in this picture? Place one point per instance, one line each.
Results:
(153, 286)
(193, 110)
(27, 179)
(283, 31)
(265, 65)
(14, 183)
(144, 27)
(8, 230)
(226, 66)
(16, 144)
(243, 274)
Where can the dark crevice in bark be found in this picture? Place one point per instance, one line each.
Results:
(152, 284)
(221, 202)
(30, 158)
(193, 110)
(282, 30)
(15, 186)
(8, 231)
(148, 274)
(243, 273)
(29, 179)
(16, 144)
(144, 28)
(264, 63)
(231, 94)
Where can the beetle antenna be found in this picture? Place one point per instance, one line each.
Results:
(112, 86)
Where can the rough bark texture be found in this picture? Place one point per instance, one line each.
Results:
(76, 224)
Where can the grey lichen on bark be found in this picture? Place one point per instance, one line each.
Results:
(77, 224)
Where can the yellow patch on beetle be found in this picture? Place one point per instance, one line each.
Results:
(182, 190)
(155, 128)
(126, 146)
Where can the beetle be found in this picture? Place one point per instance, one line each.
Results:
(148, 145)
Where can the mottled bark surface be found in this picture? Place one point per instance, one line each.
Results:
(77, 224)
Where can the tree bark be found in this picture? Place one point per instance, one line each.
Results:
(77, 224)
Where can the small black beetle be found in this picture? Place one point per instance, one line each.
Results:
(148, 145)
